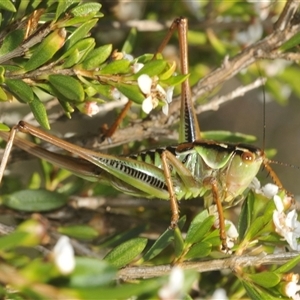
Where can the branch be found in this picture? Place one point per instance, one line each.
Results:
(287, 14)
(215, 102)
(233, 263)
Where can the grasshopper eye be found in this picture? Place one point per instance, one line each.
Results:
(248, 156)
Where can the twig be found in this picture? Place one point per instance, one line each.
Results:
(287, 14)
(215, 102)
(232, 263)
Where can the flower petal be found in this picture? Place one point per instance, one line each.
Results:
(145, 83)
(170, 94)
(165, 108)
(147, 105)
(63, 253)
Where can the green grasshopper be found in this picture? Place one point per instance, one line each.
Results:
(218, 172)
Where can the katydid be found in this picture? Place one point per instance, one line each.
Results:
(218, 172)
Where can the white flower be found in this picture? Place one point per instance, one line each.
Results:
(154, 94)
(63, 254)
(145, 83)
(147, 105)
(219, 294)
(137, 67)
(91, 108)
(232, 234)
(166, 97)
(117, 95)
(127, 56)
(291, 289)
(286, 225)
(172, 290)
(270, 190)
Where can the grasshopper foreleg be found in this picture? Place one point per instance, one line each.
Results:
(172, 165)
(211, 182)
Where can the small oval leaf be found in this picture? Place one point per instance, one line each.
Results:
(116, 67)
(34, 200)
(4, 127)
(79, 231)
(199, 227)
(199, 250)
(68, 86)
(96, 57)
(265, 279)
(80, 33)
(152, 68)
(45, 51)
(21, 90)
(7, 5)
(12, 41)
(90, 272)
(39, 111)
(126, 252)
(132, 92)
(3, 95)
(86, 9)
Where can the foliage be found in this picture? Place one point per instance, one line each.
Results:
(47, 52)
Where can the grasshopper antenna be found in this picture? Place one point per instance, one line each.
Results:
(264, 109)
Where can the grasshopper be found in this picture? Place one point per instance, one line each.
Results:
(218, 172)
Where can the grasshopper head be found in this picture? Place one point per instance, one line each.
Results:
(241, 169)
(233, 166)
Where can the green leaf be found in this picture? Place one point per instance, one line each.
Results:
(80, 33)
(21, 90)
(121, 66)
(126, 252)
(34, 200)
(3, 95)
(152, 68)
(216, 42)
(96, 57)
(12, 41)
(79, 231)
(175, 80)
(294, 41)
(68, 86)
(38, 270)
(39, 111)
(132, 92)
(2, 74)
(245, 218)
(123, 237)
(63, 6)
(199, 250)
(45, 51)
(199, 227)
(126, 291)
(90, 272)
(169, 72)
(13, 240)
(254, 293)
(255, 228)
(159, 245)
(288, 265)
(7, 5)
(77, 52)
(178, 242)
(4, 127)
(86, 9)
(265, 279)
(130, 41)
